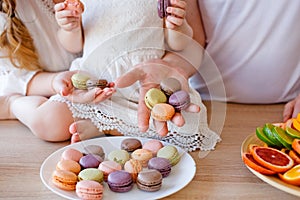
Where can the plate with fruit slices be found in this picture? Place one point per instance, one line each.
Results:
(267, 154)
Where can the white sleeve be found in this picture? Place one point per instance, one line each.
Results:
(12, 79)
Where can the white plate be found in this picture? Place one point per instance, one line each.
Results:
(180, 176)
(272, 180)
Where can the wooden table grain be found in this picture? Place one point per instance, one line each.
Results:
(220, 175)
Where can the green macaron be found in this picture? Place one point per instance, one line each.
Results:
(154, 96)
(79, 81)
(171, 153)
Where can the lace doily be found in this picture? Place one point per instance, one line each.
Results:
(110, 115)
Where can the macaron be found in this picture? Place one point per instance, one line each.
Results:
(68, 165)
(71, 154)
(170, 85)
(120, 181)
(142, 155)
(109, 166)
(90, 161)
(94, 149)
(153, 145)
(162, 6)
(180, 100)
(64, 180)
(162, 112)
(89, 190)
(79, 81)
(154, 96)
(171, 153)
(91, 174)
(131, 144)
(133, 167)
(101, 83)
(162, 165)
(119, 155)
(149, 180)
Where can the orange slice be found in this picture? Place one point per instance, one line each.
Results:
(292, 176)
(296, 124)
(250, 162)
(272, 159)
(298, 117)
(296, 145)
(295, 156)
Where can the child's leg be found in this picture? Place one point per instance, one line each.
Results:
(49, 120)
(5, 112)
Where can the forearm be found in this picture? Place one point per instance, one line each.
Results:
(41, 84)
(72, 41)
(188, 61)
(178, 38)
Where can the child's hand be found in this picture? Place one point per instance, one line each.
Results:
(94, 95)
(176, 14)
(62, 83)
(67, 17)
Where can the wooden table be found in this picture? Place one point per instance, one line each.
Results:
(220, 175)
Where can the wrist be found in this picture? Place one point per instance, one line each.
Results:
(52, 87)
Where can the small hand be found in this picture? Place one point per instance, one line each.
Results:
(176, 13)
(69, 20)
(62, 83)
(291, 109)
(94, 95)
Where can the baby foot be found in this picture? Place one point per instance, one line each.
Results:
(82, 130)
(5, 104)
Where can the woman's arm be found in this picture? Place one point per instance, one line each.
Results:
(188, 61)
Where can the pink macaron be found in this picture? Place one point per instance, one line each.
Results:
(153, 145)
(71, 154)
(109, 166)
(89, 190)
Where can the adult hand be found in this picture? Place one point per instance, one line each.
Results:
(291, 109)
(150, 74)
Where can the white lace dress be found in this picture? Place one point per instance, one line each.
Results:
(118, 35)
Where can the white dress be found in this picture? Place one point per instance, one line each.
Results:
(254, 46)
(38, 16)
(118, 35)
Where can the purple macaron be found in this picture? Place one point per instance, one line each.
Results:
(180, 100)
(120, 181)
(90, 161)
(162, 165)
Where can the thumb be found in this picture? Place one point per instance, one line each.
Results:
(129, 78)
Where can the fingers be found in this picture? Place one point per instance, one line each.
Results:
(178, 120)
(143, 111)
(193, 108)
(178, 3)
(101, 95)
(288, 110)
(161, 128)
(130, 78)
(67, 19)
(296, 109)
(176, 14)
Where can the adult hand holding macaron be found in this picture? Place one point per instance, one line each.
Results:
(150, 74)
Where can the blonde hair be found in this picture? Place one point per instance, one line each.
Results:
(16, 39)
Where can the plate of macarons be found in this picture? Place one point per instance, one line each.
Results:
(118, 168)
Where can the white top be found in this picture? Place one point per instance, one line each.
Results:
(255, 46)
(39, 18)
(118, 35)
